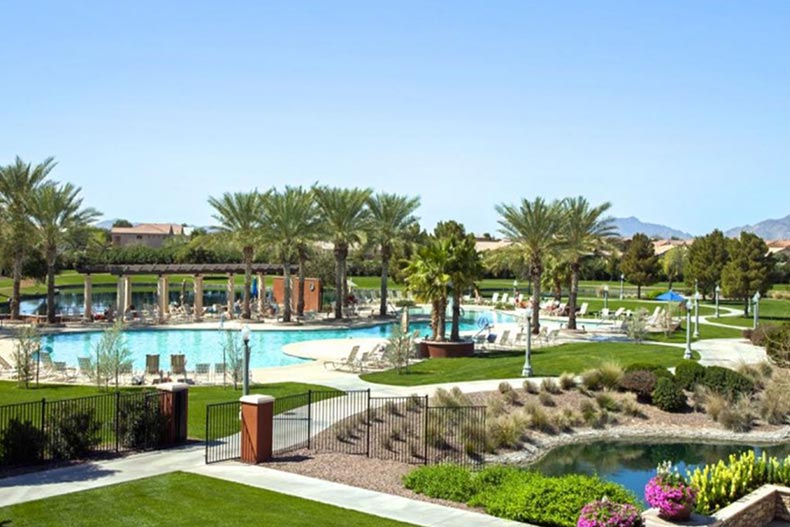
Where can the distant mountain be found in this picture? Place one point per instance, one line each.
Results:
(106, 224)
(627, 227)
(767, 229)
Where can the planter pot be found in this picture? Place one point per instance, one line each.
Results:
(446, 350)
(681, 516)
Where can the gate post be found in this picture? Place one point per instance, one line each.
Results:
(257, 419)
(174, 399)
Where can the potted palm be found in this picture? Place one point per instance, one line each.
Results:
(441, 270)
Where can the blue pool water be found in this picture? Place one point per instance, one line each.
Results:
(205, 346)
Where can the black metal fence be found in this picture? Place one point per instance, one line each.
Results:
(67, 429)
(223, 433)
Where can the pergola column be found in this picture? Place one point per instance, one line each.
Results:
(88, 297)
(127, 292)
(197, 283)
(261, 294)
(162, 297)
(120, 296)
(231, 295)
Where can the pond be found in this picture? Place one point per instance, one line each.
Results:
(632, 464)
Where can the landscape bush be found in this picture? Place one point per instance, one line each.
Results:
(724, 482)
(688, 374)
(738, 417)
(567, 381)
(21, 443)
(516, 494)
(668, 396)
(141, 422)
(727, 382)
(611, 373)
(591, 380)
(774, 401)
(778, 346)
(640, 382)
(75, 434)
(607, 402)
(550, 386)
(546, 399)
(530, 386)
(658, 371)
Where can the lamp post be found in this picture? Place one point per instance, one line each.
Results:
(606, 297)
(622, 280)
(697, 296)
(245, 336)
(756, 304)
(527, 370)
(717, 292)
(687, 353)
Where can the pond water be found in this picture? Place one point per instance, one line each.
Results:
(632, 464)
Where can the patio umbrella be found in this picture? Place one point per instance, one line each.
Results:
(670, 296)
(254, 287)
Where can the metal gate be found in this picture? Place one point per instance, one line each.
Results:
(223, 432)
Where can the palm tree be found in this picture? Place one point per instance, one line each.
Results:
(344, 215)
(57, 214)
(391, 216)
(18, 182)
(427, 276)
(289, 218)
(533, 227)
(239, 214)
(464, 268)
(584, 231)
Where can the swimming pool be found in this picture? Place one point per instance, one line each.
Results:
(205, 345)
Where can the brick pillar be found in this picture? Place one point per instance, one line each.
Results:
(198, 303)
(88, 298)
(175, 399)
(257, 415)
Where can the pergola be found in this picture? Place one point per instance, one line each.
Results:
(124, 273)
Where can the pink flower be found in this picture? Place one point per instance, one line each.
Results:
(672, 499)
(604, 513)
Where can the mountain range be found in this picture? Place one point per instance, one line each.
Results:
(778, 229)
(773, 229)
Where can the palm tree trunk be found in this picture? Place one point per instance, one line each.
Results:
(339, 278)
(300, 293)
(639, 291)
(746, 306)
(575, 268)
(286, 291)
(51, 257)
(670, 283)
(442, 318)
(435, 320)
(536, 271)
(247, 282)
(385, 264)
(456, 316)
(15, 294)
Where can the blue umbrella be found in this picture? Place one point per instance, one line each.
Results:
(670, 296)
(254, 287)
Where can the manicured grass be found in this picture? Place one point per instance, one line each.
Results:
(199, 396)
(575, 358)
(183, 499)
(705, 332)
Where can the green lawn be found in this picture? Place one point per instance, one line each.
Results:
(705, 332)
(199, 396)
(183, 499)
(575, 357)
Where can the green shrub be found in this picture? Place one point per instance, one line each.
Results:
(658, 371)
(689, 373)
(505, 387)
(141, 423)
(75, 434)
(778, 346)
(668, 396)
(592, 380)
(550, 386)
(546, 399)
(516, 494)
(774, 400)
(738, 417)
(727, 382)
(447, 482)
(567, 381)
(607, 402)
(503, 432)
(21, 443)
(640, 382)
(538, 419)
(724, 482)
(530, 386)
(611, 373)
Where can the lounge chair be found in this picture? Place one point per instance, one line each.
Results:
(583, 310)
(350, 361)
(178, 366)
(86, 367)
(504, 298)
(152, 367)
(495, 297)
(63, 371)
(604, 314)
(619, 313)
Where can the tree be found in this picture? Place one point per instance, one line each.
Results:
(707, 257)
(427, 276)
(556, 274)
(239, 215)
(391, 216)
(18, 182)
(749, 269)
(289, 219)
(58, 217)
(584, 232)
(533, 227)
(233, 357)
(344, 214)
(463, 267)
(399, 349)
(640, 262)
(113, 356)
(27, 344)
(673, 263)
(120, 222)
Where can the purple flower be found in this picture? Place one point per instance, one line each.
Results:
(672, 499)
(604, 513)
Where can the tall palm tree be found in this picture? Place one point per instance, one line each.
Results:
(584, 231)
(289, 217)
(426, 275)
(18, 182)
(58, 216)
(391, 216)
(464, 268)
(344, 216)
(239, 214)
(533, 226)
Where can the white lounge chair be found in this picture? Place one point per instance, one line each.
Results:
(348, 362)
(583, 310)
(504, 298)
(495, 297)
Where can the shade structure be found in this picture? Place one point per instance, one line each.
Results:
(670, 296)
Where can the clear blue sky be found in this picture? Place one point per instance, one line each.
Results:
(676, 112)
